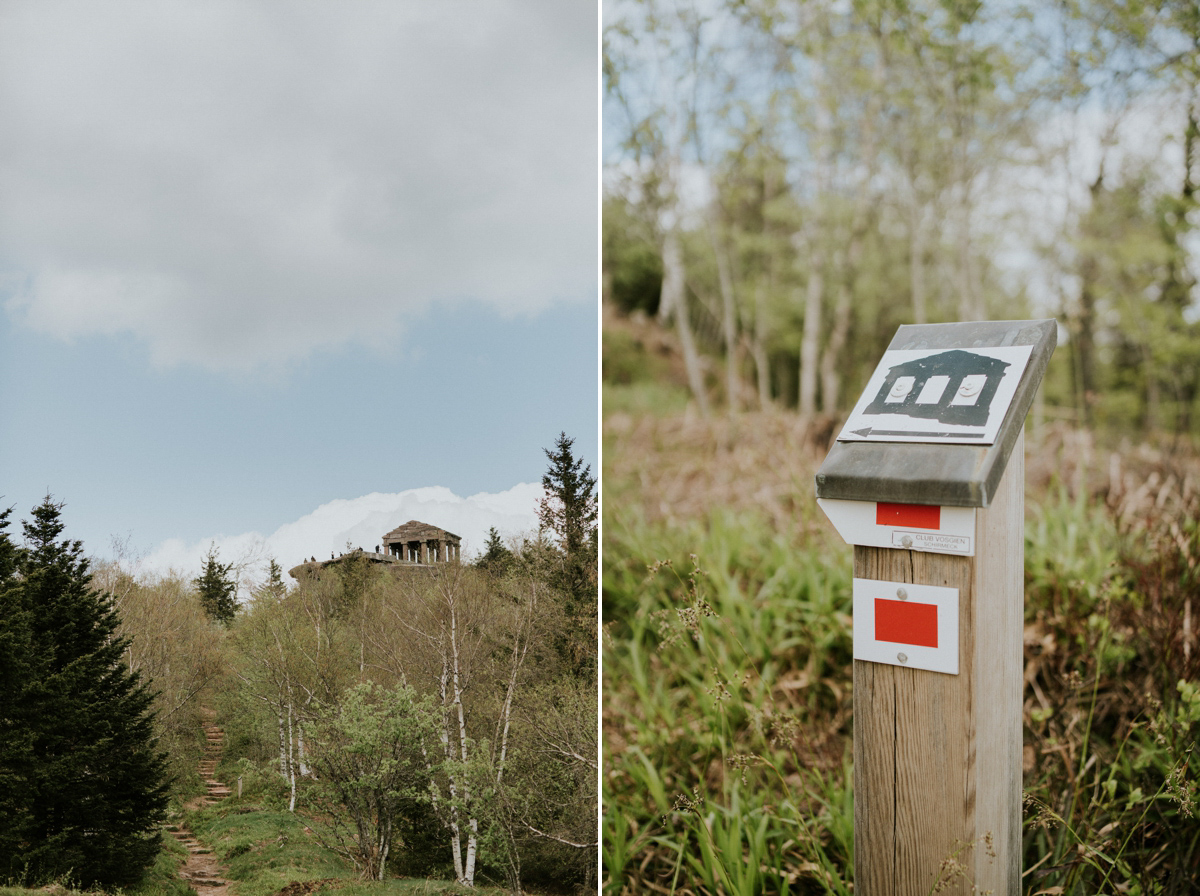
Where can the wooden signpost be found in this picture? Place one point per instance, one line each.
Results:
(927, 481)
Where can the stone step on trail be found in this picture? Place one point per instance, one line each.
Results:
(201, 871)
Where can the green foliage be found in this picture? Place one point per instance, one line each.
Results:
(516, 721)
(86, 784)
(632, 267)
(17, 670)
(372, 774)
(216, 588)
(183, 666)
(644, 397)
(161, 879)
(568, 510)
(1147, 354)
(1112, 799)
(274, 587)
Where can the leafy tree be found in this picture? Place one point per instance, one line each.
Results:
(371, 771)
(632, 267)
(90, 788)
(217, 588)
(355, 572)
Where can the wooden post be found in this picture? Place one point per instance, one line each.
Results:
(937, 758)
(928, 484)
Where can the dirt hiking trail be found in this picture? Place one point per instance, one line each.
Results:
(202, 871)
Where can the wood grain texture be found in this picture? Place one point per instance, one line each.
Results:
(937, 758)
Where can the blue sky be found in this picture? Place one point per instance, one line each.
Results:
(255, 258)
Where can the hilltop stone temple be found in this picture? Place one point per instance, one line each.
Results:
(413, 545)
(416, 542)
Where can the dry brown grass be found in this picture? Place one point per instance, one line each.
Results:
(681, 467)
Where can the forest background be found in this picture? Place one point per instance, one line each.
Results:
(785, 183)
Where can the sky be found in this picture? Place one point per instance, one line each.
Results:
(261, 260)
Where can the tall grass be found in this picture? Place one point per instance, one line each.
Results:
(727, 686)
(726, 714)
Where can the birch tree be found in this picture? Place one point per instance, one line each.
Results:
(465, 639)
(662, 70)
(467, 646)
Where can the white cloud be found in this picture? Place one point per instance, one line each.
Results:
(362, 522)
(242, 182)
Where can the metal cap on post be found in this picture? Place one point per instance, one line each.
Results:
(957, 474)
(926, 480)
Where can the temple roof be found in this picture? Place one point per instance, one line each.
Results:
(414, 530)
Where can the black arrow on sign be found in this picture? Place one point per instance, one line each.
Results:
(868, 432)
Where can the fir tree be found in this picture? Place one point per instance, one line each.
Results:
(216, 588)
(568, 511)
(92, 789)
(496, 557)
(274, 588)
(16, 713)
(569, 506)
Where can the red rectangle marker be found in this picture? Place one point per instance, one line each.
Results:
(906, 622)
(919, 516)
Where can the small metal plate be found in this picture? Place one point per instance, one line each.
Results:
(915, 626)
(910, 527)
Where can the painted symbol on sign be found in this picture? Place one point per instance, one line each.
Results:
(945, 396)
(918, 516)
(906, 623)
(952, 387)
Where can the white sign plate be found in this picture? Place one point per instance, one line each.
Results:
(915, 626)
(952, 396)
(912, 527)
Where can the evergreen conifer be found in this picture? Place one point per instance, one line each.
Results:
(16, 719)
(274, 588)
(569, 507)
(90, 786)
(569, 511)
(216, 588)
(496, 557)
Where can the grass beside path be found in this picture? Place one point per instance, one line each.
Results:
(161, 880)
(264, 850)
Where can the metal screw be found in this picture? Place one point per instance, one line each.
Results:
(902, 657)
(906, 541)
(902, 594)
